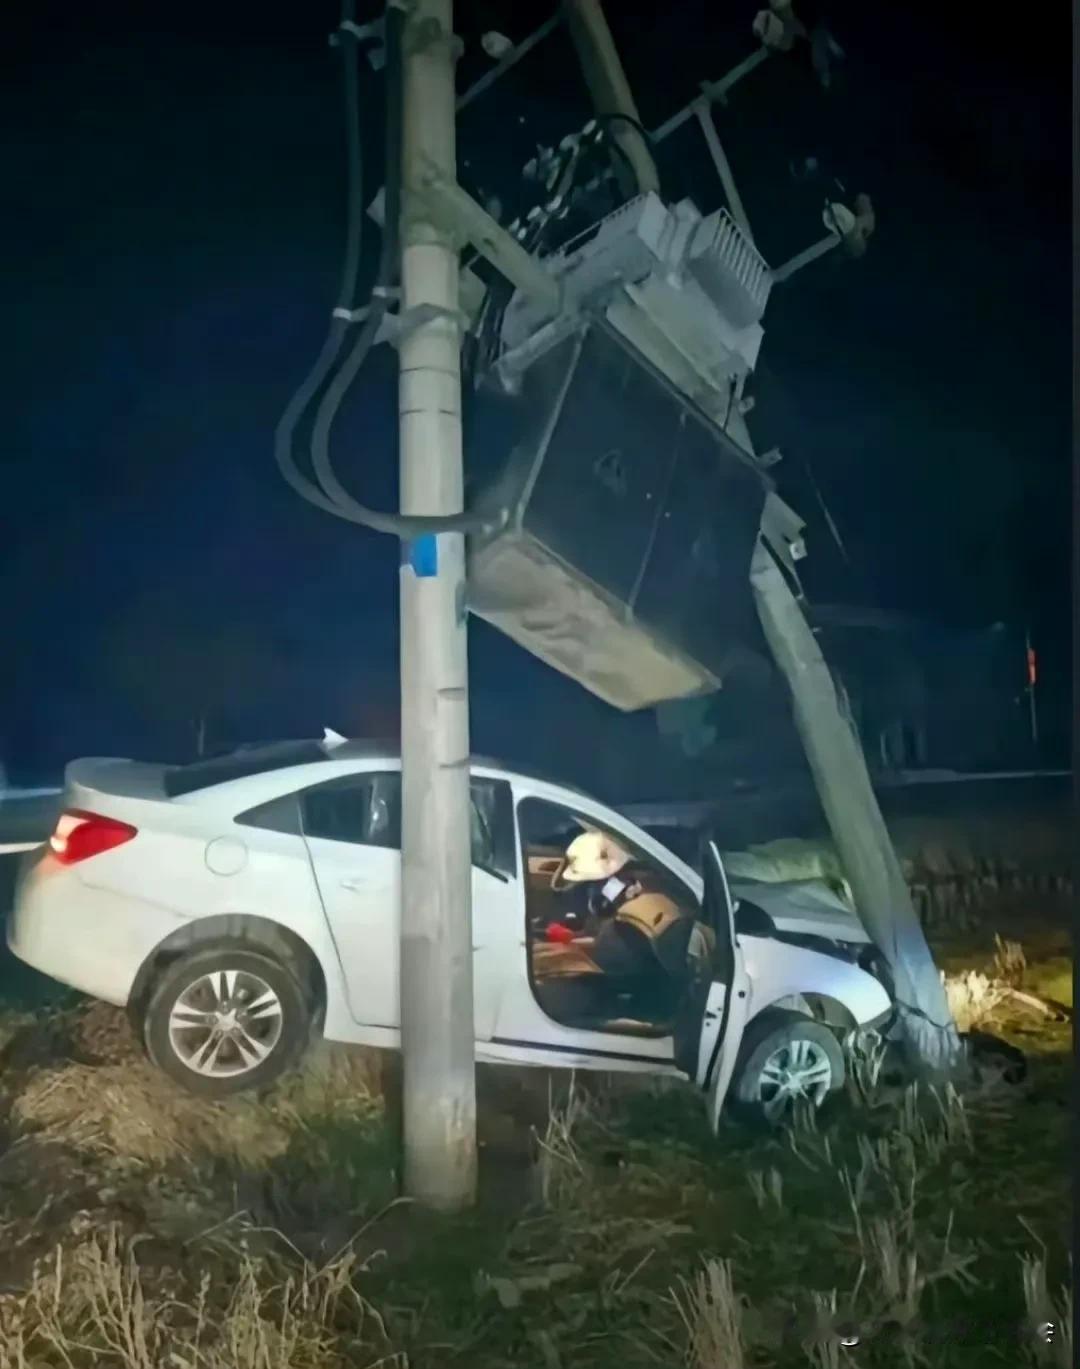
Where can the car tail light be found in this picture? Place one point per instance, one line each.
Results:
(80, 835)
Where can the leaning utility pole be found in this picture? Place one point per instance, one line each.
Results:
(437, 1042)
(609, 88)
(832, 748)
(837, 763)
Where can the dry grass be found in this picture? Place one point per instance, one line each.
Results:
(824, 1348)
(767, 1187)
(91, 1305)
(899, 1262)
(973, 997)
(561, 1171)
(14, 1024)
(1050, 1319)
(712, 1313)
(136, 1113)
(643, 1242)
(132, 1111)
(1010, 962)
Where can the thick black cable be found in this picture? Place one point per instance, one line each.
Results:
(399, 525)
(617, 116)
(335, 337)
(332, 497)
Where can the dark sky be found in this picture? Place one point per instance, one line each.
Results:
(176, 214)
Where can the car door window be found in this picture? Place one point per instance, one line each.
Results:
(365, 810)
(589, 967)
(547, 829)
(277, 815)
(362, 810)
(494, 845)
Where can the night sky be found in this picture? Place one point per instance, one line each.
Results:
(176, 211)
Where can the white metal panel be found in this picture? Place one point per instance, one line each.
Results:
(92, 939)
(728, 1004)
(360, 888)
(778, 971)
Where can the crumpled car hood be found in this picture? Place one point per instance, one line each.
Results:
(806, 906)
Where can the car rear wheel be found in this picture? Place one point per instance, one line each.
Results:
(222, 1020)
(786, 1058)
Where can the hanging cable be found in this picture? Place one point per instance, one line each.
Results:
(617, 116)
(332, 497)
(339, 321)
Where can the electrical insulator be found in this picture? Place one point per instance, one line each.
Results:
(496, 45)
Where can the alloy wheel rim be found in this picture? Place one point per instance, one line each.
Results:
(225, 1023)
(799, 1069)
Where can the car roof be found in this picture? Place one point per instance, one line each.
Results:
(266, 757)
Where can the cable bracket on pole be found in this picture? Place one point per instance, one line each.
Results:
(387, 292)
(375, 32)
(402, 326)
(396, 328)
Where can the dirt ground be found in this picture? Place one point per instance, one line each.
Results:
(144, 1229)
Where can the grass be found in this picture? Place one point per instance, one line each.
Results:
(92, 1302)
(140, 1229)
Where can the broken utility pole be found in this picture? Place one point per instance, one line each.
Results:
(437, 1040)
(851, 808)
(832, 748)
(610, 90)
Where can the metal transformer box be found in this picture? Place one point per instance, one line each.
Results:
(626, 561)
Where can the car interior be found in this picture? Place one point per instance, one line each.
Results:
(561, 928)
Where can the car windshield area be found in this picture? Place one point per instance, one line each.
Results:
(610, 931)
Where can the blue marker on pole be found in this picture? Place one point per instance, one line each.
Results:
(422, 555)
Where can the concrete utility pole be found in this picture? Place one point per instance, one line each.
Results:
(833, 750)
(437, 1040)
(609, 87)
(851, 808)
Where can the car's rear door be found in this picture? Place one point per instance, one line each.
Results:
(352, 827)
(713, 1012)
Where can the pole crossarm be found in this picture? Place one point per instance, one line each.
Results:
(805, 257)
(457, 212)
(711, 91)
(510, 60)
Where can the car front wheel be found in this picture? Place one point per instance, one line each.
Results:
(222, 1021)
(786, 1058)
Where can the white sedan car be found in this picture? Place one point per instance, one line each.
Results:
(241, 904)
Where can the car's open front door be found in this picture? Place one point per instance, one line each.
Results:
(713, 1012)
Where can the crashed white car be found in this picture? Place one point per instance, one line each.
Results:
(243, 903)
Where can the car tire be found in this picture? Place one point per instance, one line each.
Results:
(780, 1048)
(225, 1020)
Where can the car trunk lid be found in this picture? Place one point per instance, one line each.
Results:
(95, 782)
